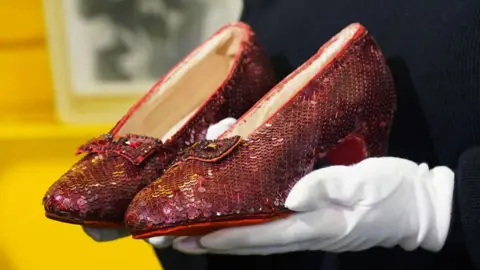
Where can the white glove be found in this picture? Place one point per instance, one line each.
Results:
(105, 234)
(378, 202)
(110, 234)
(219, 128)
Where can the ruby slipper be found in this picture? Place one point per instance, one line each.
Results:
(338, 106)
(223, 77)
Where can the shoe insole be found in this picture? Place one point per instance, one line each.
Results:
(186, 87)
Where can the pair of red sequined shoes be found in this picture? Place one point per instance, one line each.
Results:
(155, 173)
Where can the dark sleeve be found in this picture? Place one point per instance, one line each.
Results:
(172, 259)
(466, 216)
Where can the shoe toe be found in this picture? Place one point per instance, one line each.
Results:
(174, 200)
(92, 192)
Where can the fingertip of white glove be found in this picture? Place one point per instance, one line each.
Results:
(298, 199)
(317, 188)
(189, 244)
(215, 130)
(160, 241)
(105, 234)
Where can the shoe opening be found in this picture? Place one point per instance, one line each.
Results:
(292, 84)
(187, 86)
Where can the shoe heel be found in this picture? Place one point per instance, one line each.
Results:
(354, 149)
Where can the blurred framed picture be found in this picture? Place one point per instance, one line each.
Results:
(106, 53)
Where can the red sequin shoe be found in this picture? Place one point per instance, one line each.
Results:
(223, 77)
(338, 106)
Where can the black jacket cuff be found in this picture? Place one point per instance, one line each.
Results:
(466, 214)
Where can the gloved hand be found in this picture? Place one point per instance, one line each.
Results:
(110, 234)
(378, 202)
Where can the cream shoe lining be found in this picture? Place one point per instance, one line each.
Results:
(186, 87)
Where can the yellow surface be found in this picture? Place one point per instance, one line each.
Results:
(35, 151)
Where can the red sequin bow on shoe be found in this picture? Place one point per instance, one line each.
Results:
(134, 148)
